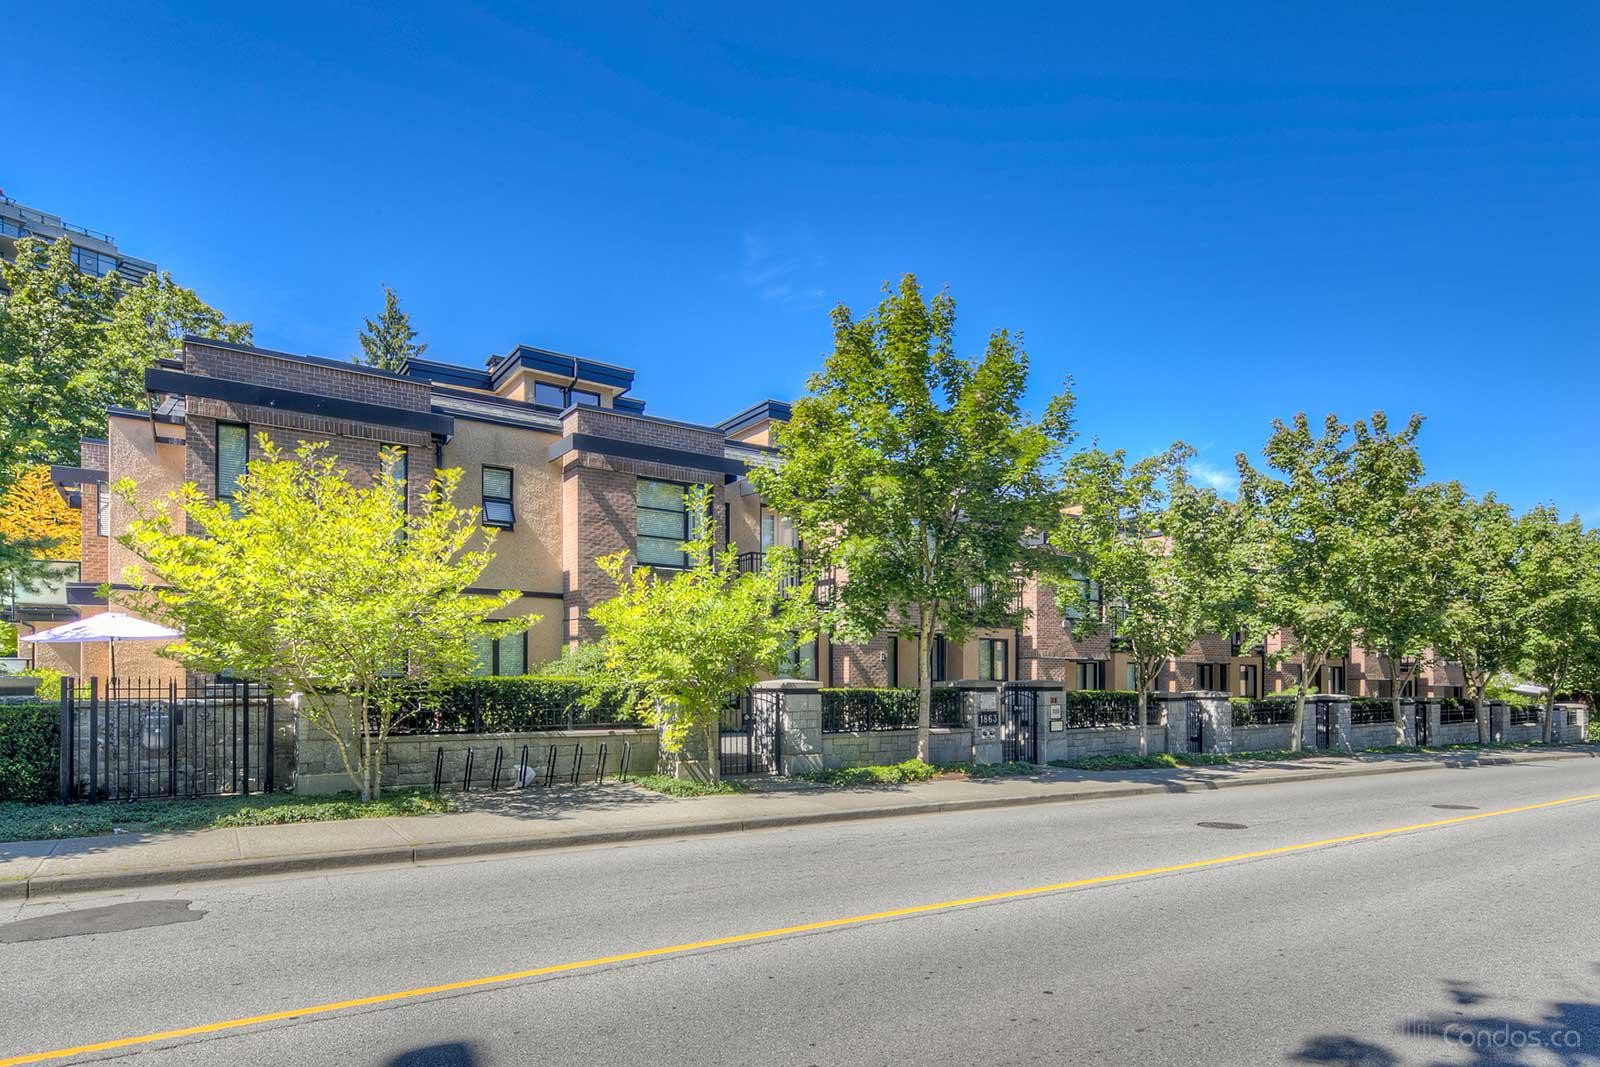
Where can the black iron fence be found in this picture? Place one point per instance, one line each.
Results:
(1370, 711)
(864, 710)
(1263, 712)
(1456, 712)
(1090, 709)
(510, 769)
(130, 740)
(1525, 715)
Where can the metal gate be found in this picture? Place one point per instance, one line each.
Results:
(130, 740)
(1021, 738)
(1419, 719)
(1324, 735)
(1197, 728)
(751, 737)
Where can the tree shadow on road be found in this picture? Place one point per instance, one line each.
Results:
(1469, 1029)
(445, 1054)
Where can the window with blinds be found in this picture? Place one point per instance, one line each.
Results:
(663, 524)
(233, 453)
(497, 508)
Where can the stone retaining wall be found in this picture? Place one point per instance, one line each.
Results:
(874, 748)
(1262, 738)
(409, 761)
(1098, 741)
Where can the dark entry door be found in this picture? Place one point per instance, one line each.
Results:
(1324, 724)
(1197, 730)
(1021, 736)
(1419, 714)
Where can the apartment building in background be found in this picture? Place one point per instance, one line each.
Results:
(94, 251)
(567, 465)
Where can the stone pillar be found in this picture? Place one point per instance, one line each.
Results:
(1498, 711)
(1217, 714)
(800, 720)
(1339, 724)
(1408, 717)
(1434, 707)
(1574, 723)
(981, 704)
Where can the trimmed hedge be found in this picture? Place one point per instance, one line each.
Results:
(30, 752)
(515, 705)
(861, 710)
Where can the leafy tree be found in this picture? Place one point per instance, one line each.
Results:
(1401, 552)
(694, 638)
(1163, 554)
(1481, 625)
(1558, 579)
(918, 475)
(316, 587)
(1305, 552)
(71, 345)
(388, 340)
(33, 512)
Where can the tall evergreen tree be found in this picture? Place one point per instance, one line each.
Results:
(388, 341)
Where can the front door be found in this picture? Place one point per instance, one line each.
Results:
(1021, 740)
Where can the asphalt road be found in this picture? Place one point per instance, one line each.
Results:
(1477, 942)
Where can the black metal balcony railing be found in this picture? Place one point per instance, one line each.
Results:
(823, 583)
(1006, 597)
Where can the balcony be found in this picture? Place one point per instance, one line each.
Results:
(822, 591)
(1006, 598)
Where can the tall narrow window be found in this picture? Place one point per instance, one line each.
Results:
(102, 509)
(992, 657)
(936, 659)
(1130, 679)
(233, 453)
(891, 661)
(663, 524)
(800, 661)
(1335, 679)
(1249, 680)
(497, 508)
(396, 465)
(1092, 674)
(511, 654)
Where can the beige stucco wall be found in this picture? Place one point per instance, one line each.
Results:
(528, 556)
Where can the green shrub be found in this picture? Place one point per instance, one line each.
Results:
(1009, 769)
(912, 770)
(49, 683)
(515, 704)
(683, 787)
(30, 752)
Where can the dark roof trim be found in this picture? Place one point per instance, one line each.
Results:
(129, 413)
(763, 411)
(76, 475)
(476, 591)
(446, 374)
(320, 361)
(628, 404)
(585, 370)
(166, 381)
(638, 450)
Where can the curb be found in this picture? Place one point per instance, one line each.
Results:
(49, 886)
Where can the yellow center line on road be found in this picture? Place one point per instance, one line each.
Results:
(760, 935)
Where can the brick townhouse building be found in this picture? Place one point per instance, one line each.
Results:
(566, 465)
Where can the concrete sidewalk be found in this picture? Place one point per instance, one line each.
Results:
(526, 820)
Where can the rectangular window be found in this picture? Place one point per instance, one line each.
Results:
(506, 656)
(584, 398)
(1130, 680)
(663, 524)
(1335, 676)
(1092, 674)
(549, 395)
(936, 659)
(233, 454)
(497, 509)
(800, 661)
(1205, 676)
(102, 509)
(1249, 680)
(891, 658)
(397, 465)
(993, 656)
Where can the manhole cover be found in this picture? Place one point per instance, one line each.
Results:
(1223, 825)
(1457, 807)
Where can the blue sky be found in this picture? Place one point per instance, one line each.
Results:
(1208, 216)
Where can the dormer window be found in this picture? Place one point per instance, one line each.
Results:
(559, 396)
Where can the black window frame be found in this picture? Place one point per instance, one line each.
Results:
(509, 500)
(561, 394)
(688, 526)
(995, 654)
(938, 659)
(494, 656)
(217, 459)
(1249, 680)
(792, 658)
(574, 394)
(892, 662)
(102, 509)
(1096, 669)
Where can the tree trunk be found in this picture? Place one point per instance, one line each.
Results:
(366, 752)
(1481, 712)
(713, 732)
(925, 689)
(1396, 687)
(1296, 742)
(1144, 690)
(1550, 714)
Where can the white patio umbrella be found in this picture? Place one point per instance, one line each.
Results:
(109, 626)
